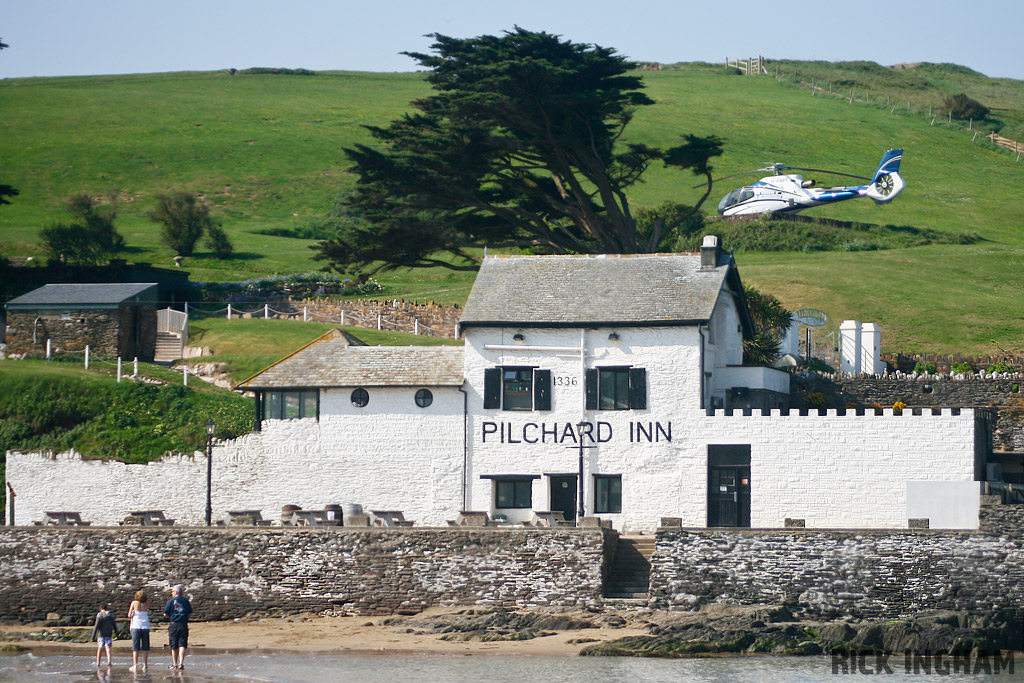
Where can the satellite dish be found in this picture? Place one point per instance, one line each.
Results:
(818, 335)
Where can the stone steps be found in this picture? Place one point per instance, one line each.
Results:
(629, 577)
(168, 347)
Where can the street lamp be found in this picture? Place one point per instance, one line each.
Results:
(210, 428)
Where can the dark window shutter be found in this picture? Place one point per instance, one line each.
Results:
(638, 388)
(492, 388)
(591, 388)
(542, 390)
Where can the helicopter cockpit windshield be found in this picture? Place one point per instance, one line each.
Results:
(734, 197)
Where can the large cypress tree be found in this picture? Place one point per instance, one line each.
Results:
(520, 145)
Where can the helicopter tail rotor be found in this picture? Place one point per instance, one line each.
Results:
(885, 187)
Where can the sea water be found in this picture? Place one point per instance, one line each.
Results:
(457, 669)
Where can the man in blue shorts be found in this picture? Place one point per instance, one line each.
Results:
(177, 611)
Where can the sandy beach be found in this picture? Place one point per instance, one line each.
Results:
(363, 635)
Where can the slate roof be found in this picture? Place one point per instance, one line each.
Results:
(102, 295)
(604, 290)
(332, 361)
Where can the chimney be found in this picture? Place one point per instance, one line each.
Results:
(709, 252)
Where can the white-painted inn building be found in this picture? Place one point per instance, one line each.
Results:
(636, 358)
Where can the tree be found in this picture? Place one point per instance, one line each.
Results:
(520, 146)
(88, 238)
(771, 321)
(185, 219)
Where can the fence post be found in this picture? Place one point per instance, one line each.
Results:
(343, 317)
(135, 367)
(305, 314)
(378, 321)
(229, 311)
(47, 350)
(184, 375)
(186, 308)
(266, 311)
(86, 356)
(119, 369)
(415, 325)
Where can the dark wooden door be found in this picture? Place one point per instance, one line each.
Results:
(563, 495)
(729, 496)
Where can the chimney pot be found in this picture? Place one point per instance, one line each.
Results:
(709, 252)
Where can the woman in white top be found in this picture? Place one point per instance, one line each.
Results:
(138, 616)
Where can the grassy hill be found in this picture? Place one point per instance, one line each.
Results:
(265, 151)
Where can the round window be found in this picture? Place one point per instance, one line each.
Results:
(360, 398)
(424, 398)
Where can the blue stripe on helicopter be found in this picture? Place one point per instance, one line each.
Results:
(835, 195)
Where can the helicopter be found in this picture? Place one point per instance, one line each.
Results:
(790, 193)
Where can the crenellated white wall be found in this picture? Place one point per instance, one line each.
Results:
(832, 471)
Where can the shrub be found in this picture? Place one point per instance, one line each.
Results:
(184, 218)
(961, 368)
(1000, 367)
(924, 367)
(218, 242)
(963, 107)
(89, 238)
(898, 407)
(815, 400)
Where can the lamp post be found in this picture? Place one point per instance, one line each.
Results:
(582, 428)
(210, 427)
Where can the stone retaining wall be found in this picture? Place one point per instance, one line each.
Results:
(229, 573)
(942, 391)
(396, 314)
(881, 574)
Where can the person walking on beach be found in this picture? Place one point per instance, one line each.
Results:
(178, 610)
(138, 616)
(103, 633)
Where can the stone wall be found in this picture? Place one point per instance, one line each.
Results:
(229, 573)
(395, 314)
(889, 574)
(938, 391)
(110, 333)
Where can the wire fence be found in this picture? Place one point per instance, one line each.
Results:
(125, 370)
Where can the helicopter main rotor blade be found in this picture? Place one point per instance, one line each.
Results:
(726, 177)
(823, 170)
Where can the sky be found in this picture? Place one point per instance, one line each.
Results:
(77, 37)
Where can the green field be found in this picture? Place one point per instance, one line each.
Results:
(248, 346)
(265, 151)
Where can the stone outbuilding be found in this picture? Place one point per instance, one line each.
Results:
(113, 319)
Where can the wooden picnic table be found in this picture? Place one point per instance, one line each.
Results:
(313, 518)
(551, 518)
(247, 518)
(63, 519)
(151, 517)
(390, 518)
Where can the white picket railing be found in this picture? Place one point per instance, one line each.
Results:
(173, 322)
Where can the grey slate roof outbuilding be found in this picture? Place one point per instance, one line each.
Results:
(334, 361)
(86, 296)
(602, 290)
